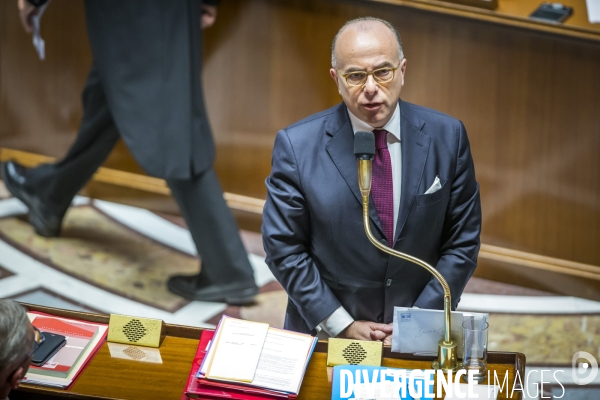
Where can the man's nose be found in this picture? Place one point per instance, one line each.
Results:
(370, 86)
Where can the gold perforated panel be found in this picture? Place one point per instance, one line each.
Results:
(134, 330)
(353, 352)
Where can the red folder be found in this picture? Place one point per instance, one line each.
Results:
(202, 388)
(92, 354)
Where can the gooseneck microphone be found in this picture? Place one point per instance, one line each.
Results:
(364, 145)
(364, 151)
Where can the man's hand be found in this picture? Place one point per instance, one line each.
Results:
(208, 17)
(387, 341)
(366, 330)
(26, 12)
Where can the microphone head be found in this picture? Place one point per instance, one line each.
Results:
(364, 145)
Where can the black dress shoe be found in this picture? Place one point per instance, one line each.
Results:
(45, 221)
(193, 287)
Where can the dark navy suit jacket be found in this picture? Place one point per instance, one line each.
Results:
(312, 222)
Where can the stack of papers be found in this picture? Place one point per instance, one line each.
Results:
(250, 360)
(83, 340)
(417, 331)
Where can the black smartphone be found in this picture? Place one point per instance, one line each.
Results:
(552, 12)
(52, 344)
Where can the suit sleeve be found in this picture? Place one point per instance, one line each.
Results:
(461, 233)
(286, 237)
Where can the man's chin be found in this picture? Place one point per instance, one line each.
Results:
(375, 120)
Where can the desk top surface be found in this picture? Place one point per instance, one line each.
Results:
(112, 378)
(515, 13)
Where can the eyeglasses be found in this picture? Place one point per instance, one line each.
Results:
(38, 339)
(381, 75)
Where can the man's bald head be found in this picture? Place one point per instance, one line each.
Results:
(368, 50)
(366, 24)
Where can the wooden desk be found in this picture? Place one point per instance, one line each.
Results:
(514, 13)
(110, 378)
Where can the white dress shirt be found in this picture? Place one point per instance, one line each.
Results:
(340, 319)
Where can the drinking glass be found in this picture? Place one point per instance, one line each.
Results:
(475, 336)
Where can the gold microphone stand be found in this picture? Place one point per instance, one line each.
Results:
(447, 347)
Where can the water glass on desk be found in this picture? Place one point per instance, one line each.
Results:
(475, 336)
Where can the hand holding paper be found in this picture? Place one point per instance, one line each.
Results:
(38, 42)
(30, 19)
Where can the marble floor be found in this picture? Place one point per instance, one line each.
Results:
(116, 258)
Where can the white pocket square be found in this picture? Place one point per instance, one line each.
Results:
(435, 187)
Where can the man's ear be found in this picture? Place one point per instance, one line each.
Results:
(16, 377)
(333, 74)
(403, 69)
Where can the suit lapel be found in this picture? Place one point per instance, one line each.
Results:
(341, 150)
(415, 147)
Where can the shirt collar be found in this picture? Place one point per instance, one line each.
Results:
(393, 125)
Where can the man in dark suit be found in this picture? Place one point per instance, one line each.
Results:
(425, 197)
(144, 86)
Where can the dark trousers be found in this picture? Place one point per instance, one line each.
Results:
(200, 198)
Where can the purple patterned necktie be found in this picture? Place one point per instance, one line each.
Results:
(383, 185)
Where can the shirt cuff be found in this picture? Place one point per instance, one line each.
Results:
(336, 322)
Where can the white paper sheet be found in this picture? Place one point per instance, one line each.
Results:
(593, 10)
(418, 331)
(283, 359)
(237, 350)
(38, 42)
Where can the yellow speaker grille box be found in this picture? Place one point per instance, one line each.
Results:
(135, 330)
(353, 352)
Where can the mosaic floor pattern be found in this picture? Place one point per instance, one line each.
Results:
(546, 340)
(96, 249)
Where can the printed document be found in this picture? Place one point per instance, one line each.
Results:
(283, 360)
(237, 350)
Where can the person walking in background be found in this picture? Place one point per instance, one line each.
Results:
(144, 87)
